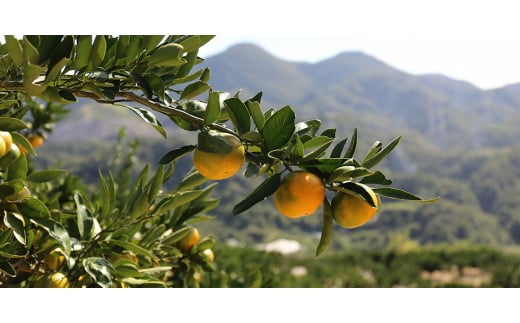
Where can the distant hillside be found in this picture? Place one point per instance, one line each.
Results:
(369, 93)
(460, 143)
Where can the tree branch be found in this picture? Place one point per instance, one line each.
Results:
(16, 86)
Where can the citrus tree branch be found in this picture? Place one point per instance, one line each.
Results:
(16, 86)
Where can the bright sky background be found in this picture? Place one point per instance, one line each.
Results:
(476, 41)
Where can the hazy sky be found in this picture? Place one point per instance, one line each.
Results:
(476, 41)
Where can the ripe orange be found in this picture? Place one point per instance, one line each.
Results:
(350, 211)
(8, 140)
(35, 140)
(300, 194)
(218, 155)
(189, 240)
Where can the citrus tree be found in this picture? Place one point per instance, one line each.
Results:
(131, 231)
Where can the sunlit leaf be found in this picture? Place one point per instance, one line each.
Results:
(399, 194)
(194, 89)
(239, 115)
(373, 160)
(279, 128)
(147, 116)
(17, 224)
(100, 269)
(213, 108)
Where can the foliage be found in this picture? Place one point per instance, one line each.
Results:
(125, 233)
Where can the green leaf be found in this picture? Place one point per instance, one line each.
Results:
(97, 53)
(346, 173)
(45, 175)
(327, 227)
(11, 124)
(352, 145)
(169, 55)
(83, 49)
(60, 57)
(176, 236)
(256, 113)
(134, 49)
(376, 147)
(399, 194)
(17, 223)
(279, 128)
(331, 133)
(263, 191)
(155, 184)
(84, 218)
(191, 181)
(56, 231)
(18, 169)
(212, 108)
(238, 114)
(316, 142)
(376, 178)
(308, 129)
(7, 269)
(323, 142)
(135, 248)
(194, 89)
(147, 116)
(33, 208)
(359, 190)
(100, 269)
(324, 165)
(150, 41)
(191, 43)
(375, 159)
(15, 50)
(175, 154)
(178, 199)
(336, 151)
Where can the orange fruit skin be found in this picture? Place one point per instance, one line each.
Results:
(36, 141)
(300, 194)
(351, 212)
(54, 259)
(8, 140)
(59, 280)
(189, 240)
(215, 166)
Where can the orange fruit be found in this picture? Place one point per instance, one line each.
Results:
(35, 140)
(300, 194)
(218, 155)
(59, 280)
(189, 240)
(351, 211)
(8, 140)
(54, 259)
